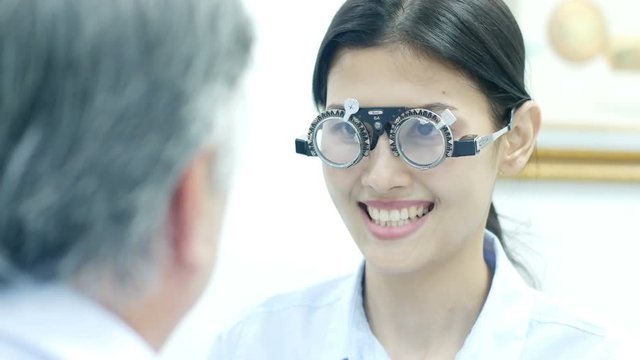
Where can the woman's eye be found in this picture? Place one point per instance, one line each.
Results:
(423, 129)
(344, 130)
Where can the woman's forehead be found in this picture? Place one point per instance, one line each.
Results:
(391, 76)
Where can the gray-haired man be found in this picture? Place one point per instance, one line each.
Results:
(112, 168)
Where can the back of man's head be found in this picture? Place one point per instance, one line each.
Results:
(102, 112)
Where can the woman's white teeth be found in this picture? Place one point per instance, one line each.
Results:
(396, 217)
(374, 213)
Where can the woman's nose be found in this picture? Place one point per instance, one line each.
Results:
(383, 171)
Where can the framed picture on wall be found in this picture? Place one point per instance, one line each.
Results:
(583, 60)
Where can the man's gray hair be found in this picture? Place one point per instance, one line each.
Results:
(97, 125)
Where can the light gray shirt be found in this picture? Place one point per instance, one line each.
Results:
(56, 322)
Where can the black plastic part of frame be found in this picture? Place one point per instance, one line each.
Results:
(302, 147)
(465, 147)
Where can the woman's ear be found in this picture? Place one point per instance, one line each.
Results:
(520, 142)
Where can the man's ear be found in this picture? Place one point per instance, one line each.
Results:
(519, 143)
(189, 210)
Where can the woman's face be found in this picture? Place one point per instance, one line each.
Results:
(442, 211)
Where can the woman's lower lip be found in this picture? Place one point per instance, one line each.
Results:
(393, 232)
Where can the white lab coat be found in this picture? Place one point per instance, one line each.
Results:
(328, 322)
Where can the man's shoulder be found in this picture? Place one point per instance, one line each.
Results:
(55, 321)
(15, 349)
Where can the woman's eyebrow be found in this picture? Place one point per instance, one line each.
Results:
(438, 107)
(435, 107)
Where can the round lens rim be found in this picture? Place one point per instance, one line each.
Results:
(426, 115)
(413, 163)
(313, 131)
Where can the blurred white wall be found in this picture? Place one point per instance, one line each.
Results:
(283, 233)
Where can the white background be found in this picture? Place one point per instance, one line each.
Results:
(283, 233)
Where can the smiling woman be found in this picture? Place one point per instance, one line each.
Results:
(437, 281)
(381, 181)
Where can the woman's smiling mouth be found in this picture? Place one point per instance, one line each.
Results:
(390, 220)
(396, 217)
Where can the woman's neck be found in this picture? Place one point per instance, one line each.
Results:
(429, 312)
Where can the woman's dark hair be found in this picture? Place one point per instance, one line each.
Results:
(480, 38)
